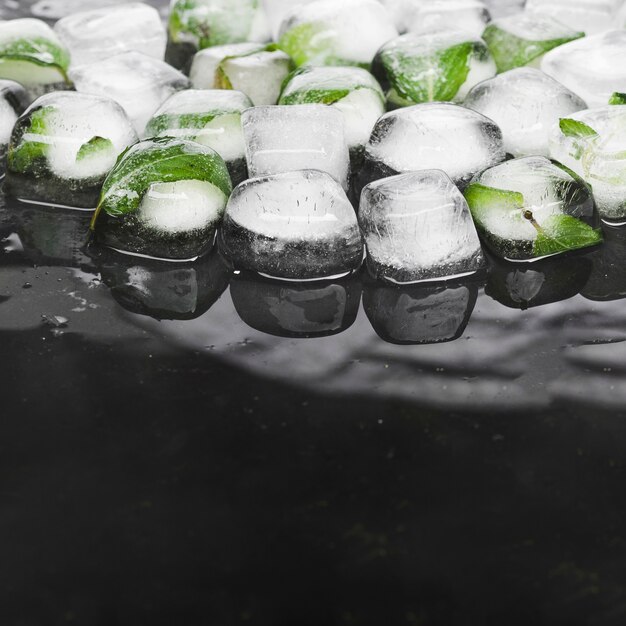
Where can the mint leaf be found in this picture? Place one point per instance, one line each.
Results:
(94, 146)
(618, 98)
(574, 128)
(24, 157)
(314, 96)
(311, 43)
(39, 51)
(561, 233)
(483, 200)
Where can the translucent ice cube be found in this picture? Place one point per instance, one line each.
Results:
(299, 137)
(326, 32)
(525, 103)
(589, 16)
(13, 102)
(592, 143)
(524, 38)
(139, 83)
(296, 225)
(469, 15)
(530, 208)
(439, 66)
(63, 147)
(417, 226)
(100, 33)
(592, 67)
(434, 135)
(257, 70)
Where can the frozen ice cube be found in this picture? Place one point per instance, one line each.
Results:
(439, 66)
(32, 55)
(277, 10)
(13, 102)
(352, 90)
(469, 15)
(63, 147)
(139, 83)
(589, 16)
(211, 117)
(296, 137)
(327, 32)
(523, 39)
(530, 208)
(198, 24)
(258, 71)
(417, 226)
(525, 103)
(592, 143)
(434, 135)
(295, 225)
(100, 33)
(592, 67)
(504, 8)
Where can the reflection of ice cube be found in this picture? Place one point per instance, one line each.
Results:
(589, 16)
(95, 35)
(592, 67)
(296, 137)
(525, 103)
(139, 83)
(297, 225)
(417, 226)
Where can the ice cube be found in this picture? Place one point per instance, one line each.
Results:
(295, 225)
(420, 314)
(309, 309)
(198, 24)
(63, 147)
(296, 137)
(139, 83)
(164, 199)
(13, 102)
(277, 10)
(592, 67)
(439, 66)
(524, 39)
(352, 90)
(434, 135)
(258, 71)
(504, 8)
(525, 103)
(211, 117)
(100, 33)
(589, 16)
(530, 208)
(417, 226)
(32, 55)
(469, 15)
(327, 32)
(592, 143)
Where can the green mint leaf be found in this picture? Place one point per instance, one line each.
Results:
(39, 51)
(574, 128)
(561, 233)
(483, 201)
(618, 98)
(94, 146)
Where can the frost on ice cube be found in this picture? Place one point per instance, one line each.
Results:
(592, 67)
(526, 104)
(469, 15)
(427, 136)
(590, 16)
(296, 225)
(592, 143)
(352, 90)
(417, 226)
(63, 147)
(139, 83)
(198, 24)
(277, 10)
(257, 70)
(296, 137)
(439, 66)
(420, 314)
(292, 309)
(95, 35)
(523, 39)
(211, 117)
(327, 32)
(32, 55)
(530, 208)
(164, 199)
(13, 102)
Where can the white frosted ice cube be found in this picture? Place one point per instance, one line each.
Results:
(469, 15)
(592, 67)
(417, 226)
(589, 16)
(525, 103)
(139, 83)
(296, 137)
